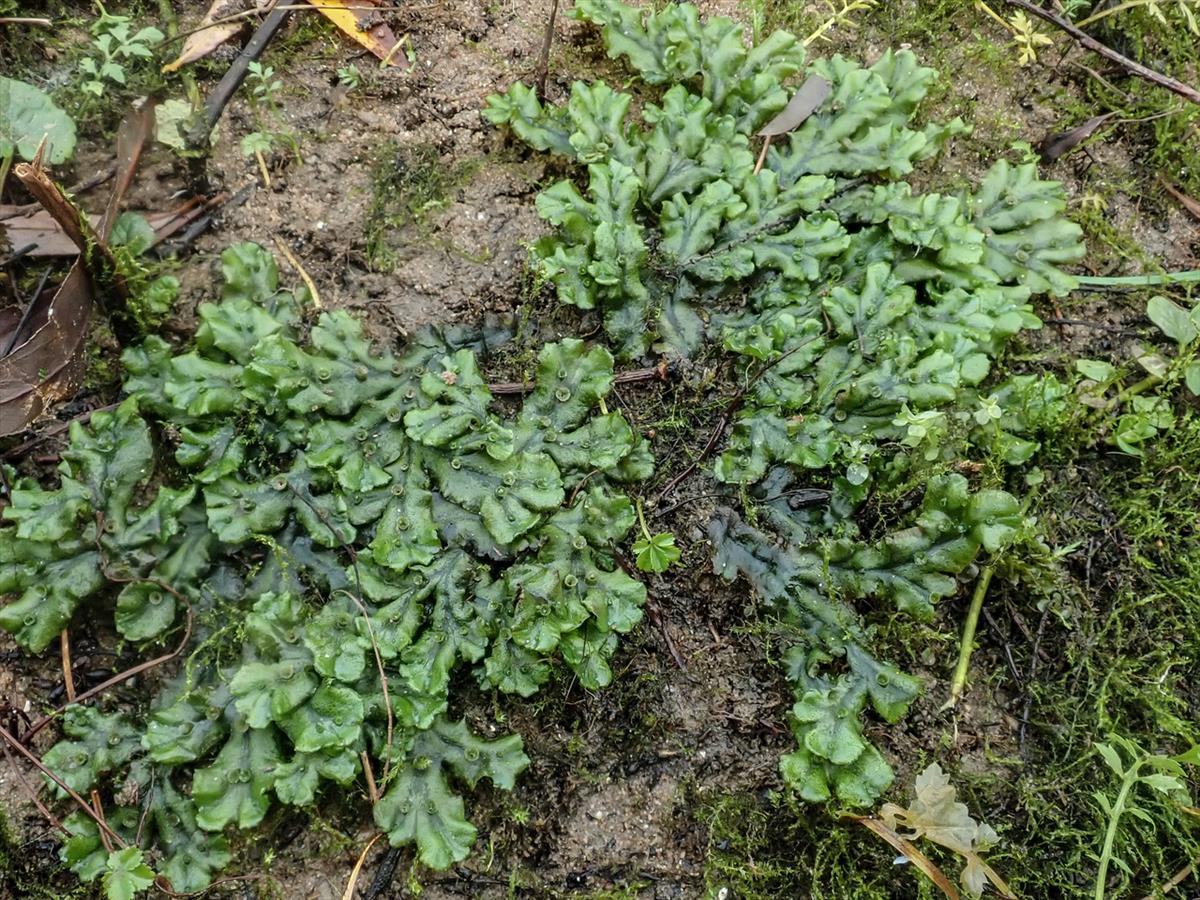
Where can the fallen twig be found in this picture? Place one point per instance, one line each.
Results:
(1189, 203)
(59, 427)
(524, 387)
(385, 873)
(41, 767)
(132, 670)
(909, 851)
(544, 66)
(1176, 880)
(1086, 40)
(654, 615)
(348, 894)
(64, 639)
(31, 792)
(197, 135)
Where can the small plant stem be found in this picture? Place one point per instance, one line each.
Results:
(642, 519)
(262, 167)
(958, 683)
(166, 14)
(991, 12)
(762, 156)
(391, 54)
(304, 276)
(1110, 836)
(1139, 387)
(5, 165)
(64, 638)
(1189, 277)
(348, 894)
(1112, 10)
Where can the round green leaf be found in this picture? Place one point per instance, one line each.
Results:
(26, 116)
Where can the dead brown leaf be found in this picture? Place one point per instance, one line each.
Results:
(208, 37)
(936, 815)
(49, 365)
(1191, 204)
(47, 361)
(364, 26)
(803, 104)
(906, 849)
(1053, 146)
(38, 227)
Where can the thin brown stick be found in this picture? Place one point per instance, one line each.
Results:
(723, 421)
(64, 640)
(20, 450)
(907, 849)
(41, 767)
(369, 774)
(348, 894)
(80, 187)
(1086, 40)
(1176, 880)
(51, 198)
(762, 155)
(524, 387)
(654, 615)
(544, 67)
(31, 791)
(99, 808)
(383, 683)
(128, 673)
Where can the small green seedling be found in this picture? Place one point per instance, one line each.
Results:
(1162, 774)
(127, 874)
(655, 552)
(117, 44)
(349, 77)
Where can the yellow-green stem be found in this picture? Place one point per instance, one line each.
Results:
(958, 683)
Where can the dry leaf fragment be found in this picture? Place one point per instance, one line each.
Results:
(1053, 146)
(40, 229)
(208, 37)
(803, 104)
(936, 815)
(1189, 203)
(905, 847)
(49, 366)
(364, 25)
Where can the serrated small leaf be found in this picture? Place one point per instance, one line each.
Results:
(656, 553)
(127, 874)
